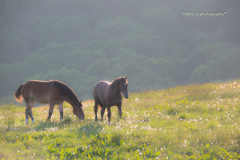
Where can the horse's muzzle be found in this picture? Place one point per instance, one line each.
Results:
(81, 117)
(126, 95)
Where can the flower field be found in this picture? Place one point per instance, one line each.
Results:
(185, 122)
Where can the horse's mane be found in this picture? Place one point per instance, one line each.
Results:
(115, 83)
(65, 90)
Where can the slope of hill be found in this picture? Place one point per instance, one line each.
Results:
(185, 122)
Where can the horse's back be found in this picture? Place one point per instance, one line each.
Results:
(35, 84)
(40, 91)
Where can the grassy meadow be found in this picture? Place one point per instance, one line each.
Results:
(185, 122)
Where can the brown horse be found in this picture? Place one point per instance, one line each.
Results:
(108, 94)
(52, 92)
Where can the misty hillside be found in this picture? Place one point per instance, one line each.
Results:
(157, 44)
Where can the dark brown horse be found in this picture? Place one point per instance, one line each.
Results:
(107, 94)
(52, 92)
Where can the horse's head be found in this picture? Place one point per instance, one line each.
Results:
(124, 86)
(78, 110)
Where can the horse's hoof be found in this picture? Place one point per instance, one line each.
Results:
(26, 122)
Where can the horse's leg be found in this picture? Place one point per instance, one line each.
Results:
(30, 110)
(109, 113)
(120, 109)
(60, 106)
(27, 114)
(95, 109)
(50, 111)
(102, 111)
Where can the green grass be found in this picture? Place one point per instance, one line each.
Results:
(185, 122)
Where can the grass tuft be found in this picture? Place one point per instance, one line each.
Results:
(116, 138)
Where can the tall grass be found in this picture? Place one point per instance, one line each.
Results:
(185, 122)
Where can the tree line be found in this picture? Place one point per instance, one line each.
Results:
(83, 42)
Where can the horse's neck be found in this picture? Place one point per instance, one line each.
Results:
(71, 102)
(116, 90)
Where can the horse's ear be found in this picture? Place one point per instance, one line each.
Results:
(81, 101)
(126, 77)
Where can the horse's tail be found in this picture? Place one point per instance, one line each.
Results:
(18, 94)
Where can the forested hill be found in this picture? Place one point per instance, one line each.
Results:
(157, 44)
